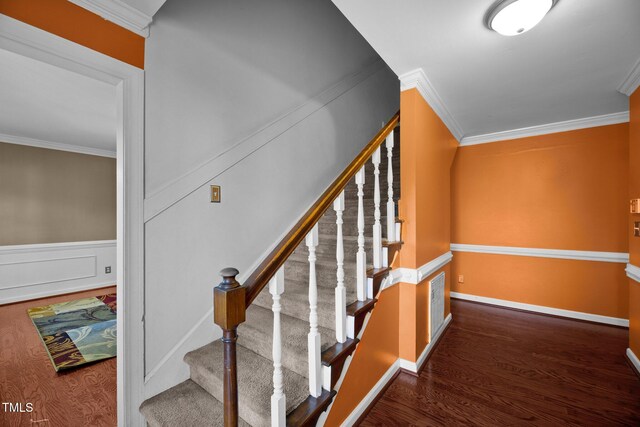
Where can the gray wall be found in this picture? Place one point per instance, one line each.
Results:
(217, 73)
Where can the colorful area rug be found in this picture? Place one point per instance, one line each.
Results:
(77, 332)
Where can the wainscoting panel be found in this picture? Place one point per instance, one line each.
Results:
(35, 271)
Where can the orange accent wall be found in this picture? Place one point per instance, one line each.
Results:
(375, 354)
(427, 150)
(72, 22)
(585, 286)
(561, 191)
(634, 242)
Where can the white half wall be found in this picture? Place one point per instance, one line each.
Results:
(35, 271)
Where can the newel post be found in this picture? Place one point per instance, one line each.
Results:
(228, 312)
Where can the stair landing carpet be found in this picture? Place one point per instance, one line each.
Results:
(77, 332)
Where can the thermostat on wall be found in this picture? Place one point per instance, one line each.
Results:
(635, 205)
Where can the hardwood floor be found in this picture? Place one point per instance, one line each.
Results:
(81, 397)
(498, 367)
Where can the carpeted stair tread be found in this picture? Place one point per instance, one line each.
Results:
(295, 302)
(256, 334)
(255, 386)
(185, 405)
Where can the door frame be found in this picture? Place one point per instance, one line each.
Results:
(128, 81)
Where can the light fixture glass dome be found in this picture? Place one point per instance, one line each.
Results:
(514, 17)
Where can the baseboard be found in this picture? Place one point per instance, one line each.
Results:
(57, 292)
(416, 367)
(373, 395)
(596, 318)
(42, 270)
(635, 362)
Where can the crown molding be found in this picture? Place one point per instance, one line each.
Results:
(119, 13)
(617, 257)
(417, 79)
(31, 142)
(631, 83)
(585, 123)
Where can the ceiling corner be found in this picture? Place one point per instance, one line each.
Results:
(632, 81)
(417, 79)
(120, 13)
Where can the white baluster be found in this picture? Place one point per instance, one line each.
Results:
(391, 206)
(361, 256)
(315, 367)
(377, 227)
(341, 292)
(278, 399)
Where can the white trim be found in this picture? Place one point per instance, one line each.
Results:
(632, 81)
(542, 309)
(416, 276)
(584, 123)
(417, 365)
(119, 13)
(41, 247)
(634, 359)
(128, 81)
(417, 79)
(165, 197)
(618, 257)
(633, 272)
(61, 291)
(31, 142)
(371, 396)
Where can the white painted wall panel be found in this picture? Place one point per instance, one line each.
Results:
(34, 271)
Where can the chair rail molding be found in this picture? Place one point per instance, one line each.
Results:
(632, 81)
(415, 276)
(31, 142)
(417, 79)
(633, 272)
(618, 257)
(543, 309)
(119, 13)
(176, 190)
(545, 129)
(128, 81)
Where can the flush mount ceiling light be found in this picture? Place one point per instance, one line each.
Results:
(514, 17)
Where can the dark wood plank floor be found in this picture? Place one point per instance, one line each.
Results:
(499, 367)
(81, 397)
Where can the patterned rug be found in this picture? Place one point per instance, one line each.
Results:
(77, 332)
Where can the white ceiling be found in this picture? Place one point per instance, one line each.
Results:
(568, 67)
(44, 105)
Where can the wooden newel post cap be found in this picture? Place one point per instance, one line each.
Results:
(229, 300)
(229, 277)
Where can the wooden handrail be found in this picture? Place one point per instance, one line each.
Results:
(268, 268)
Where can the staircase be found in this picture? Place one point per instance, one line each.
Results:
(315, 317)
